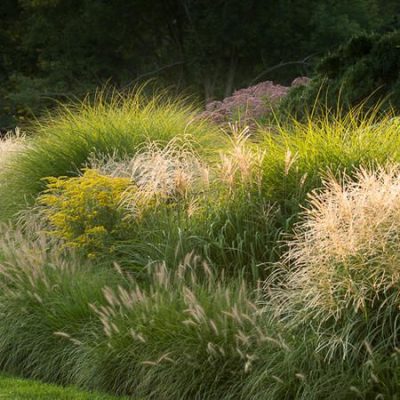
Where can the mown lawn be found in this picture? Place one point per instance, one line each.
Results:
(24, 389)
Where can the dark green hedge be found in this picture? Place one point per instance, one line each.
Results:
(366, 70)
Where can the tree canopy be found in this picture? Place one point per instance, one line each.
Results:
(56, 49)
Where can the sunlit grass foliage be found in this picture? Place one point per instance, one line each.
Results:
(184, 334)
(44, 292)
(345, 263)
(86, 211)
(188, 335)
(300, 153)
(10, 145)
(162, 258)
(110, 124)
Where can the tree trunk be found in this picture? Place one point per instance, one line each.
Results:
(230, 78)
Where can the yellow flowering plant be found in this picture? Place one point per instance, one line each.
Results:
(87, 211)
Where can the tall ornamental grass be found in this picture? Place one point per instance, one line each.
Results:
(341, 293)
(300, 153)
(10, 145)
(186, 336)
(117, 124)
(345, 262)
(218, 210)
(44, 307)
(184, 333)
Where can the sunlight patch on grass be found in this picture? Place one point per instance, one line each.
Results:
(23, 389)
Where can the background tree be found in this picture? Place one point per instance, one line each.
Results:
(56, 49)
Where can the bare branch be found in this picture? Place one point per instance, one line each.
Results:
(304, 61)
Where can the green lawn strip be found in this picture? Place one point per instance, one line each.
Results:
(23, 389)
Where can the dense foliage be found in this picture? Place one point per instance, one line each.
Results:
(56, 49)
(66, 140)
(86, 211)
(232, 268)
(364, 71)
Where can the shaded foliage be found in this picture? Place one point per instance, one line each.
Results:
(363, 71)
(57, 49)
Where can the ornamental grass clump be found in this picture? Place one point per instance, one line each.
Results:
(172, 171)
(214, 208)
(345, 260)
(241, 163)
(116, 124)
(44, 306)
(299, 154)
(185, 336)
(10, 145)
(241, 232)
(86, 212)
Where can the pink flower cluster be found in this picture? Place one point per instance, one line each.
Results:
(250, 103)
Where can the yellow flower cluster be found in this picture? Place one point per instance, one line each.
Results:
(86, 212)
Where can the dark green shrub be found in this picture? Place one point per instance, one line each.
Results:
(364, 70)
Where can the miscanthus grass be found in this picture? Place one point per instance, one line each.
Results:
(345, 260)
(300, 153)
(340, 291)
(10, 145)
(110, 124)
